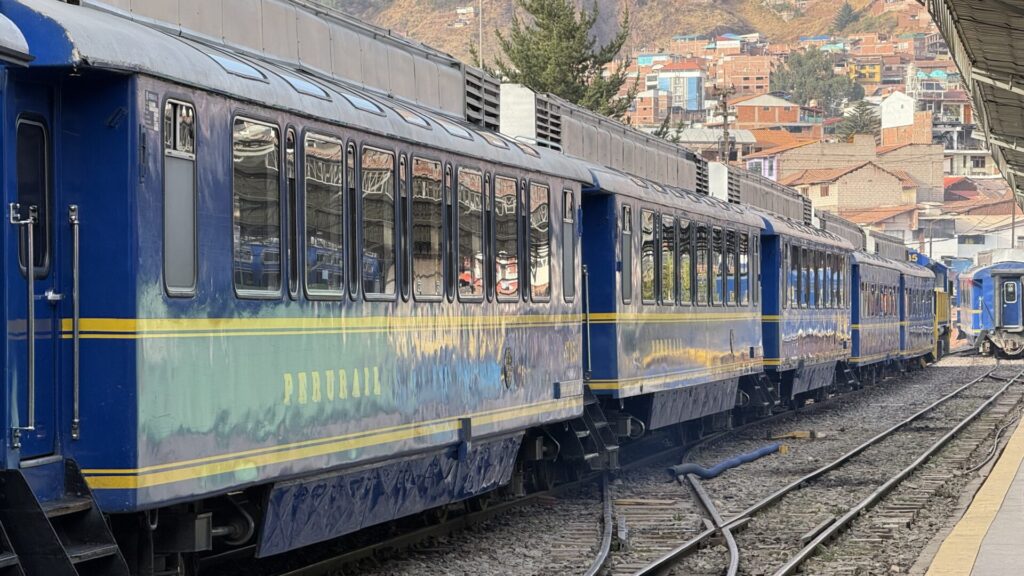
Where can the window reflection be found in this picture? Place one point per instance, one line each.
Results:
(506, 238)
(647, 253)
(256, 207)
(427, 214)
(378, 266)
(471, 234)
(324, 214)
(540, 242)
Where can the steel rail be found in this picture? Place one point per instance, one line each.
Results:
(833, 529)
(606, 538)
(333, 564)
(716, 519)
(675, 555)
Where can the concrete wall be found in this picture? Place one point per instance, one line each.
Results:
(827, 155)
(923, 162)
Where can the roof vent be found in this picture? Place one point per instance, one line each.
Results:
(549, 123)
(734, 187)
(703, 181)
(483, 96)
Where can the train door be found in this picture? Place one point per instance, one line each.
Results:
(30, 269)
(1009, 302)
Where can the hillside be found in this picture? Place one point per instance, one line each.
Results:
(654, 22)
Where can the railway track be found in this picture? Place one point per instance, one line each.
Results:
(782, 531)
(659, 522)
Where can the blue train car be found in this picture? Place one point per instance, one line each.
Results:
(969, 306)
(675, 305)
(991, 298)
(806, 322)
(917, 311)
(893, 312)
(943, 302)
(260, 305)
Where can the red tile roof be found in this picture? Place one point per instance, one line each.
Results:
(680, 67)
(779, 149)
(868, 216)
(881, 150)
(906, 179)
(819, 175)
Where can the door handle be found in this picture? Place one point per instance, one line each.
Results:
(75, 318)
(27, 224)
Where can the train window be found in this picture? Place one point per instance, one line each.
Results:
(256, 192)
(1009, 293)
(819, 279)
(873, 302)
(806, 264)
(292, 219)
(506, 238)
(568, 245)
(795, 291)
(744, 269)
(427, 224)
(755, 269)
(816, 292)
(647, 256)
(718, 265)
(626, 251)
(351, 226)
(540, 242)
(404, 224)
(685, 263)
(377, 170)
(668, 260)
(731, 269)
(471, 235)
(179, 232)
(325, 215)
(842, 282)
(828, 282)
(701, 265)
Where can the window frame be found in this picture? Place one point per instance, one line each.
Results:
(321, 295)
(353, 270)
(291, 202)
(494, 237)
(377, 296)
(459, 168)
(441, 166)
(1016, 297)
(569, 272)
(194, 158)
(690, 260)
(625, 215)
(244, 293)
(653, 300)
(529, 242)
(405, 223)
(709, 277)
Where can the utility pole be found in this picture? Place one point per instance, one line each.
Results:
(725, 146)
(480, 21)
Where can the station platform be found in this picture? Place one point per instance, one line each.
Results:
(988, 540)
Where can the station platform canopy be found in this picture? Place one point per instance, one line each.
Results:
(986, 40)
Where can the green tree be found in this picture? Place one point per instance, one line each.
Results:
(809, 77)
(861, 120)
(554, 50)
(846, 16)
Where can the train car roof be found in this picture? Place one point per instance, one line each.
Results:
(973, 271)
(786, 227)
(622, 184)
(62, 34)
(908, 268)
